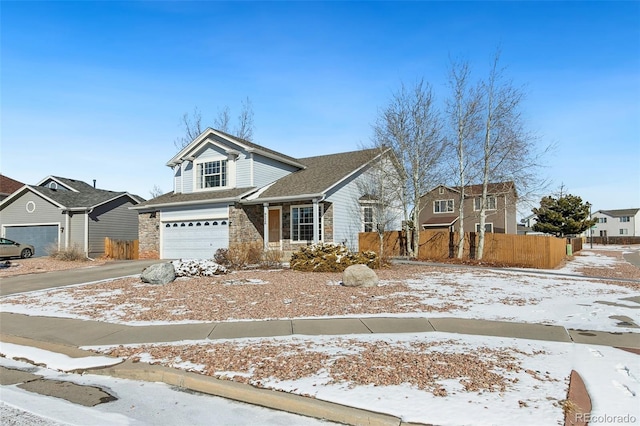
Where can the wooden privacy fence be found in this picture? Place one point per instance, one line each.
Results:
(121, 249)
(531, 251)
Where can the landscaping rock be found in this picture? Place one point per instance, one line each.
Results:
(198, 268)
(159, 273)
(359, 276)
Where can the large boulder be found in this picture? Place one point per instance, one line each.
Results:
(158, 273)
(359, 276)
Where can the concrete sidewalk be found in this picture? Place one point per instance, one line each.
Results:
(77, 333)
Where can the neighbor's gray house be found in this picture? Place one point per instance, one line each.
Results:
(61, 213)
(229, 191)
(439, 208)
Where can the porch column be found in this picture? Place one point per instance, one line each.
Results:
(316, 221)
(265, 225)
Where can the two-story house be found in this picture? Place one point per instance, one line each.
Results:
(230, 191)
(439, 208)
(617, 223)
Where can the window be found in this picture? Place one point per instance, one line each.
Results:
(624, 232)
(488, 227)
(212, 174)
(491, 203)
(602, 220)
(302, 223)
(625, 219)
(367, 218)
(443, 206)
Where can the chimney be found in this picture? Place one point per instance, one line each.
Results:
(94, 183)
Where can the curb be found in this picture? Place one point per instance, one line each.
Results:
(306, 406)
(579, 402)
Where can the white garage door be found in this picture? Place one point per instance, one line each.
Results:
(197, 239)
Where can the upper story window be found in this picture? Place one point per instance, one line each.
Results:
(625, 219)
(212, 174)
(491, 203)
(443, 206)
(602, 220)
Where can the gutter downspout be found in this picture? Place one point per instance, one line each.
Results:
(265, 224)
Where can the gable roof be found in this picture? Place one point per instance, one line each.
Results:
(475, 190)
(244, 144)
(321, 173)
(8, 185)
(227, 195)
(618, 213)
(80, 196)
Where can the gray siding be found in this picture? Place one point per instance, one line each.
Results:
(187, 178)
(346, 213)
(113, 220)
(76, 231)
(177, 180)
(267, 170)
(243, 171)
(45, 212)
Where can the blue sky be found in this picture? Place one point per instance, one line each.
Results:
(96, 90)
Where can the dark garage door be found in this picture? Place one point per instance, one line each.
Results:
(41, 237)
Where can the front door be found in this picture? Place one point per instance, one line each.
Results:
(275, 229)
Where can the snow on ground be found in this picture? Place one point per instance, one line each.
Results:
(546, 297)
(139, 403)
(536, 385)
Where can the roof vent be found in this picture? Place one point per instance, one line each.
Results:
(94, 183)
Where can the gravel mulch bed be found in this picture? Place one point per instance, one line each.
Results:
(350, 362)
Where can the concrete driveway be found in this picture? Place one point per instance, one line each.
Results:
(41, 281)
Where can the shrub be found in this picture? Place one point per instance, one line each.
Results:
(239, 256)
(69, 254)
(325, 257)
(272, 258)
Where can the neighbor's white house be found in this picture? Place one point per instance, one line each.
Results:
(617, 223)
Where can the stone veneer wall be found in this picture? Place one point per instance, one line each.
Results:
(149, 235)
(247, 224)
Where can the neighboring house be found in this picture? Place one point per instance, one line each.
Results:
(8, 186)
(228, 191)
(617, 223)
(439, 208)
(61, 213)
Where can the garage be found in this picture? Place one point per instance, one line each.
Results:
(41, 237)
(197, 239)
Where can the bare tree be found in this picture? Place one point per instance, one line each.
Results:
(192, 124)
(508, 148)
(244, 129)
(380, 193)
(463, 112)
(155, 191)
(410, 126)
(221, 122)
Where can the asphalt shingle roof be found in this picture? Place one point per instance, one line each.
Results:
(197, 196)
(86, 197)
(321, 173)
(622, 212)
